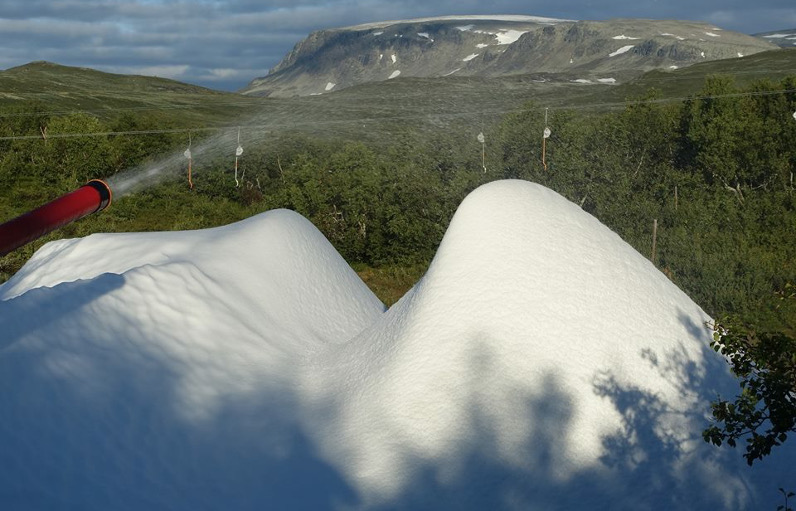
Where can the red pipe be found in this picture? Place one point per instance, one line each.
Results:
(92, 197)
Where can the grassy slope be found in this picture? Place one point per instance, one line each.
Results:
(68, 89)
(774, 65)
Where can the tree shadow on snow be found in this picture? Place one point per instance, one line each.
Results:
(41, 306)
(99, 426)
(645, 465)
(119, 443)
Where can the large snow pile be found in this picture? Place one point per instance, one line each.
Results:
(541, 363)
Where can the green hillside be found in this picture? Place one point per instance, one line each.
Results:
(69, 89)
(773, 65)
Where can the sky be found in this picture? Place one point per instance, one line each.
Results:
(224, 44)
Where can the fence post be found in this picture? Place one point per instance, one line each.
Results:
(654, 239)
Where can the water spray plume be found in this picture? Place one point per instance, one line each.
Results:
(92, 197)
(96, 196)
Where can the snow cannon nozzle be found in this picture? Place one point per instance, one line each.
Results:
(94, 196)
(106, 195)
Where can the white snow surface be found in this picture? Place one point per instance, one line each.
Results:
(469, 57)
(621, 37)
(330, 86)
(394, 74)
(623, 49)
(540, 363)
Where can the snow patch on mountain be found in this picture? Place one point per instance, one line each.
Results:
(508, 36)
(623, 49)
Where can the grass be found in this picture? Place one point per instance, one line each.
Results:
(64, 89)
(774, 65)
(390, 283)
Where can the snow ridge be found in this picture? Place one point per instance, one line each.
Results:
(541, 362)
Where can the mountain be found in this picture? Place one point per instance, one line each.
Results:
(783, 38)
(608, 51)
(540, 363)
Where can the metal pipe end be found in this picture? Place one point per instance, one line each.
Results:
(106, 195)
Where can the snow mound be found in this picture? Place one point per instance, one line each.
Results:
(539, 364)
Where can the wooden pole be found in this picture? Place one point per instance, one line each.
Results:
(544, 141)
(654, 239)
(483, 150)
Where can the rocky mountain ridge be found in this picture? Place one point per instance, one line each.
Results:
(596, 52)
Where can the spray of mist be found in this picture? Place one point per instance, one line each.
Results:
(172, 166)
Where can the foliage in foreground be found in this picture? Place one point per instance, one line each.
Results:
(765, 410)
